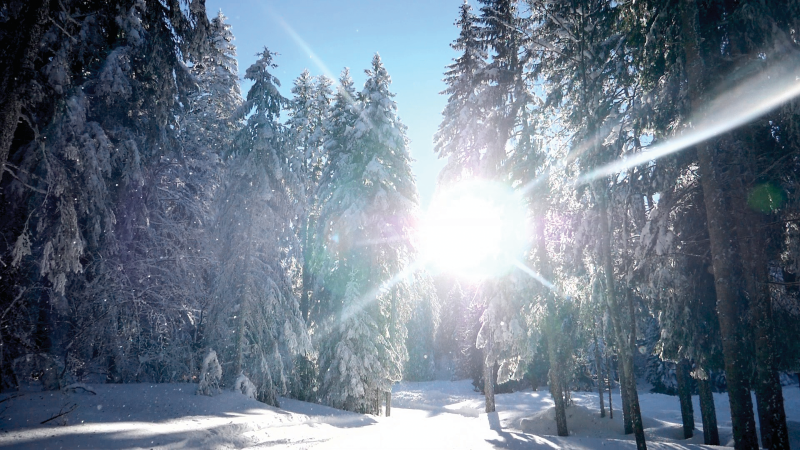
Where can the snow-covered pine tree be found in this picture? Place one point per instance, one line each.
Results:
(503, 335)
(308, 112)
(583, 75)
(678, 286)
(99, 119)
(505, 92)
(342, 117)
(368, 208)
(206, 130)
(723, 42)
(459, 138)
(257, 318)
(24, 24)
(210, 121)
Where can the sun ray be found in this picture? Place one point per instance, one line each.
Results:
(736, 107)
(536, 276)
(744, 103)
(300, 42)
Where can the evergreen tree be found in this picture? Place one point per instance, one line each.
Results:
(459, 138)
(257, 317)
(505, 93)
(342, 117)
(308, 109)
(369, 201)
(100, 122)
(720, 42)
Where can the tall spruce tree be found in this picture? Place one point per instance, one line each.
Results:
(369, 202)
(720, 42)
(257, 320)
(459, 138)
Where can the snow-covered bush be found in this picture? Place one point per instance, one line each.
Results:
(245, 386)
(210, 375)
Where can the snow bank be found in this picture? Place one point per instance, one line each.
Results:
(157, 416)
(436, 414)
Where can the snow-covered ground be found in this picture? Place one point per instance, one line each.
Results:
(436, 414)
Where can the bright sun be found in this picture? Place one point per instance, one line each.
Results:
(474, 230)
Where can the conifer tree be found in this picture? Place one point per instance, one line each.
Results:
(719, 42)
(459, 138)
(369, 201)
(101, 118)
(257, 319)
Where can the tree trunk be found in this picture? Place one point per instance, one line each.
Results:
(388, 403)
(633, 394)
(725, 281)
(723, 255)
(626, 405)
(556, 377)
(19, 70)
(682, 370)
(488, 380)
(552, 325)
(610, 387)
(769, 393)
(305, 295)
(600, 388)
(628, 387)
(633, 399)
(709, 413)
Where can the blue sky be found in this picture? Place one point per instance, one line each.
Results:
(412, 37)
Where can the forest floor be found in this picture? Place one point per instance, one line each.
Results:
(437, 415)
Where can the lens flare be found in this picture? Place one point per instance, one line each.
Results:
(474, 230)
(760, 94)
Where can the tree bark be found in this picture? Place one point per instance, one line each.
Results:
(600, 387)
(628, 387)
(682, 370)
(552, 326)
(388, 403)
(769, 393)
(19, 70)
(709, 413)
(723, 255)
(488, 380)
(633, 394)
(610, 387)
(556, 378)
(725, 280)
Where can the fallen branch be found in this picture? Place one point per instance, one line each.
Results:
(10, 398)
(60, 414)
(76, 386)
